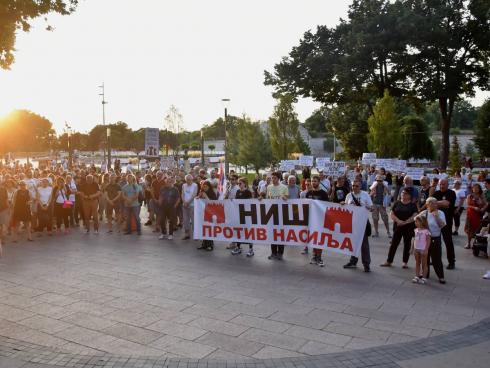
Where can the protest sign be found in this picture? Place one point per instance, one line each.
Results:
(320, 161)
(167, 162)
(334, 168)
(414, 172)
(306, 161)
(297, 222)
(368, 158)
(152, 142)
(286, 165)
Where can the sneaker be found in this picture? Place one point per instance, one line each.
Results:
(148, 223)
(450, 266)
(170, 237)
(231, 246)
(321, 263)
(390, 236)
(350, 265)
(367, 269)
(314, 260)
(487, 275)
(86, 231)
(96, 232)
(272, 256)
(250, 253)
(305, 251)
(161, 237)
(416, 280)
(375, 235)
(423, 281)
(236, 251)
(279, 257)
(186, 237)
(467, 246)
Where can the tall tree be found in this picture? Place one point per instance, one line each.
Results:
(384, 128)
(283, 128)
(455, 157)
(25, 131)
(17, 15)
(415, 139)
(316, 122)
(447, 53)
(349, 124)
(250, 135)
(482, 130)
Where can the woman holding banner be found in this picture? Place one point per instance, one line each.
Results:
(207, 192)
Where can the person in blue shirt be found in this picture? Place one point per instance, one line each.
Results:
(130, 194)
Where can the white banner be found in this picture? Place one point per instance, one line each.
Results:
(286, 165)
(368, 158)
(167, 162)
(152, 142)
(320, 161)
(414, 172)
(298, 222)
(306, 161)
(334, 168)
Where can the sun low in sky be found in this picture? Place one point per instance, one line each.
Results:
(154, 53)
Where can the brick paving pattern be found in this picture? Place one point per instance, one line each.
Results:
(113, 300)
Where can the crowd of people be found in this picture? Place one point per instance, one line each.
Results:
(55, 200)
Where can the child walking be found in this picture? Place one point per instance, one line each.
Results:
(420, 248)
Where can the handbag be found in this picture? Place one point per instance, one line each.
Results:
(67, 204)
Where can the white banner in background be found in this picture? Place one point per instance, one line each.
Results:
(297, 222)
(321, 161)
(306, 161)
(334, 168)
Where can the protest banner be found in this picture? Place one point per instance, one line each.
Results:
(152, 142)
(414, 172)
(334, 168)
(167, 162)
(295, 222)
(402, 165)
(320, 161)
(389, 164)
(306, 161)
(368, 158)
(286, 165)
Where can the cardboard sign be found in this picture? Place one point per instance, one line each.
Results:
(368, 158)
(306, 161)
(321, 161)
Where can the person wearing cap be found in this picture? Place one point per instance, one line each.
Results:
(379, 190)
(459, 205)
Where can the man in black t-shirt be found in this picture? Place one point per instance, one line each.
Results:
(446, 198)
(318, 194)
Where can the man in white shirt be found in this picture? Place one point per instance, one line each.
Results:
(189, 192)
(232, 188)
(361, 199)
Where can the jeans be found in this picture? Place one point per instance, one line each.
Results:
(188, 217)
(133, 212)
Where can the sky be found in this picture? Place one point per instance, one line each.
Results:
(152, 54)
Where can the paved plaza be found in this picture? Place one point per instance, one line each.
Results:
(119, 296)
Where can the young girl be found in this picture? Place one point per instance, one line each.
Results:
(420, 248)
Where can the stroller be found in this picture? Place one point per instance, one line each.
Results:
(481, 239)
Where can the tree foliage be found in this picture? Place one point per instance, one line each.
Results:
(455, 156)
(432, 50)
(253, 148)
(16, 15)
(415, 142)
(349, 124)
(316, 123)
(25, 131)
(384, 128)
(482, 130)
(283, 128)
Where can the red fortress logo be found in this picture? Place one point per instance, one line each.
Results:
(340, 216)
(216, 210)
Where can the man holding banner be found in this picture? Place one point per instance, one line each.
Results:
(277, 191)
(361, 199)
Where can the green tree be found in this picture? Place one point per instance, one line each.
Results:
(253, 148)
(384, 128)
(446, 54)
(211, 147)
(25, 131)
(455, 156)
(16, 15)
(415, 139)
(121, 137)
(302, 146)
(482, 130)
(349, 124)
(316, 123)
(283, 128)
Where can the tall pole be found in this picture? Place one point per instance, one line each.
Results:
(109, 149)
(202, 148)
(334, 147)
(227, 165)
(104, 102)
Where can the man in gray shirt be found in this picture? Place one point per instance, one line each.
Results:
(293, 189)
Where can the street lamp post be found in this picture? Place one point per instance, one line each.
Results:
(226, 102)
(108, 149)
(104, 102)
(202, 148)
